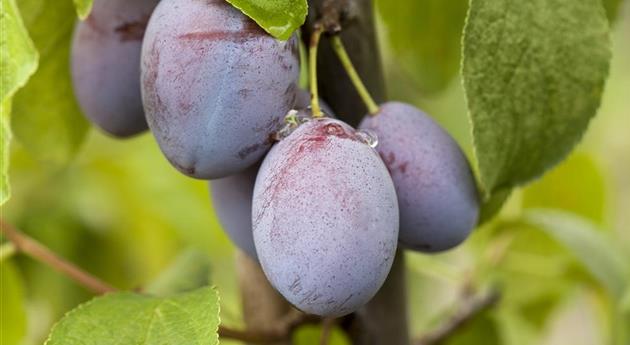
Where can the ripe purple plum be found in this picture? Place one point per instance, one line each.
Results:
(437, 192)
(325, 218)
(232, 201)
(215, 86)
(106, 65)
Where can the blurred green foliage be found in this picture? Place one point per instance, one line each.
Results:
(121, 212)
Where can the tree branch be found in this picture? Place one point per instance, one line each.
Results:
(281, 330)
(469, 310)
(34, 249)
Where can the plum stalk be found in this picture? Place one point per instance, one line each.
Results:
(340, 50)
(312, 67)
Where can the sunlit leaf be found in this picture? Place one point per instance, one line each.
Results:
(5, 142)
(534, 72)
(425, 36)
(12, 312)
(128, 318)
(576, 185)
(46, 117)
(189, 271)
(612, 9)
(18, 61)
(83, 7)
(280, 18)
(597, 252)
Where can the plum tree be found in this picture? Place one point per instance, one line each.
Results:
(214, 86)
(232, 201)
(106, 65)
(437, 192)
(325, 218)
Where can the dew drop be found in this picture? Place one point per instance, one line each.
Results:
(369, 137)
(292, 121)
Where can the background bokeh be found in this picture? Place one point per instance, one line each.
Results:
(123, 213)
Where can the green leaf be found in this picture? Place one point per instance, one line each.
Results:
(533, 73)
(83, 7)
(12, 312)
(280, 18)
(612, 9)
(482, 329)
(18, 57)
(576, 185)
(5, 141)
(18, 61)
(425, 36)
(189, 271)
(129, 318)
(598, 253)
(493, 205)
(46, 117)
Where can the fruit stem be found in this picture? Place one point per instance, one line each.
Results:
(340, 50)
(312, 59)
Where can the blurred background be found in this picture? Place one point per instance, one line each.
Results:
(121, 212)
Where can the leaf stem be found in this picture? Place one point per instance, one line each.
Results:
(34, 249)
(312, 60)
(340, 50)
(7, 250)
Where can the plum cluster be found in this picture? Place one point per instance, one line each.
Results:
(322, 206)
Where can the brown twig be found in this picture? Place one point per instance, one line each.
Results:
(34, 249)
(327, 327)
(25, 244)
(469, 310)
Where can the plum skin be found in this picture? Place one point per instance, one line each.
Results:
(325, 219)
(437, 192)
(214, 86)
(105, 65)
(232, 201)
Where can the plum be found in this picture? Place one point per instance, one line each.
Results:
(232, 201)
(437, 192)
(325, 218)
(214, 86)
(106, 65)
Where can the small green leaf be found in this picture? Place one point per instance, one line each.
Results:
(280, 18)
(425, 36)
(83, 7)
(534, 72)
(12, 312)
(129, 318)
(18, 61)
(593, 249)
(46, 117)
(576, 185)
(189, 271)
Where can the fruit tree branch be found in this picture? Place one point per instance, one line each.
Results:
(468, 311)
(34, 249)
(281, 330)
